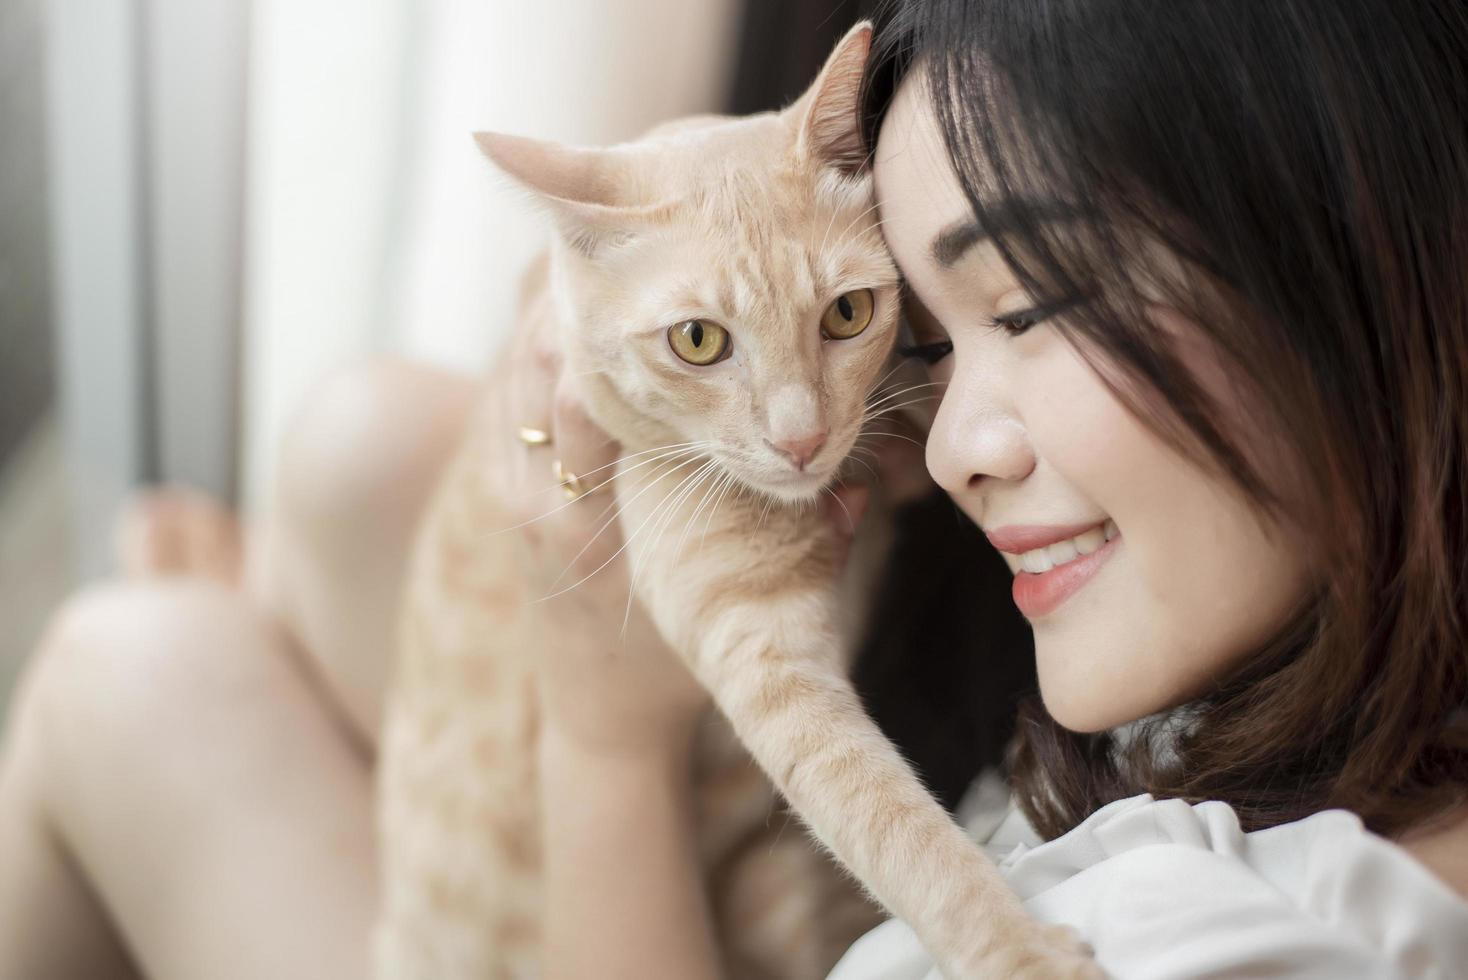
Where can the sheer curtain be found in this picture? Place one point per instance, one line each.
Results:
(372, 224)
(245, 195)
(144, 145)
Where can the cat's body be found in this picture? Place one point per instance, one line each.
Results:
(459, 799)
(746, 229)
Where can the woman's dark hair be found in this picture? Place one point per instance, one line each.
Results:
(1304, 166)
(948, 707)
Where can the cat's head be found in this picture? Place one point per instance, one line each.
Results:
(724, 282)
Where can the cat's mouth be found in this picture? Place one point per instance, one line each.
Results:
(782, 482)
(795, 487)
(785, 482)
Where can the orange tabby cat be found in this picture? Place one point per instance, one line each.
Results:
(722, 287)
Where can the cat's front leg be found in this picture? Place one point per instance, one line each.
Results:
(768, 666)
(752, 611)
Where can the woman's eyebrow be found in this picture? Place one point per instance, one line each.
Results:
(952, 242)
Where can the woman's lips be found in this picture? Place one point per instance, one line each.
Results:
(1039, 594)
(1016, 539)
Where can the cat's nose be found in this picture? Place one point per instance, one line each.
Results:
(800, 449)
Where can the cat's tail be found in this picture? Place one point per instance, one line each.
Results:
(177, 531)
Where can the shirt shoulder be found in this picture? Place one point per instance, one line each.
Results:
(1164, 889)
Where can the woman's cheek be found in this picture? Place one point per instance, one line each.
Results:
(1199, 582)
(1099, 655)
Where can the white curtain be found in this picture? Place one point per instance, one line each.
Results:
(144, 147)
(372, 223)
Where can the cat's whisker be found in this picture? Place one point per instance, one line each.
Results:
(898, 435)
(841, 238)
(892, 395)
(583, 476)
(886, 405)
(853, 229)
(837, 497)
(669, 508)
(862, 462)
(883, 379)
(666, 470)
(626, 474)
(783, 827)
(869, 227)
(769, 502)
(829, 225)
(696, 445)
(706, 502)
(687, 525)
(693, 519)
(526, 523)
(666, 508)
(870, 457)
(706, 483)
(654, 481)
(865, 457)
(899, 386)
(729, 481)
(872, 416)
(883, 414)
(658, 479)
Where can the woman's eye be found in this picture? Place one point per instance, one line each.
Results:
(848, 314)
(699, 342)
(1017, 323)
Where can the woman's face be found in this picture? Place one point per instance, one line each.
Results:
(1144, 577)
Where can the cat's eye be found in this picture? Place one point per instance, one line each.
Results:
(848, 314)
(699, 342)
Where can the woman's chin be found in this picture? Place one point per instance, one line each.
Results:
(1088, 704)
(1083, 719)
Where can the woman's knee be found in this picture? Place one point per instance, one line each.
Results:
(367, 444)
(127, 669)
(189, 768)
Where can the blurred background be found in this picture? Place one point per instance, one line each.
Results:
(205, 205)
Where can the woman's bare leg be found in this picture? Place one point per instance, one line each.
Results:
(356, 471)
(52, 925)
(173, 781)
(166, 750)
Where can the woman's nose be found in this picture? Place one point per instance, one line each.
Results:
(973, 437)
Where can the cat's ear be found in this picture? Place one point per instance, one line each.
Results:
(829, 113)
(585, 188)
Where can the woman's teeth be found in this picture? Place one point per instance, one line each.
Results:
(1046, 558)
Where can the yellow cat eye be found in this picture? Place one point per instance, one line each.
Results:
(699, 342)
(848, 314)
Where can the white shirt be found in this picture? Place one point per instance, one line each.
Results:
(1162, 889)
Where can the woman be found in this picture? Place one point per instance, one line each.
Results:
(1195, 272)
(1193, 278)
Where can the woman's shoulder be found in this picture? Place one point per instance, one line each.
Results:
(1162, 888)
(1167, 881)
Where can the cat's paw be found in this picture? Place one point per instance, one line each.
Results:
(1044, 953)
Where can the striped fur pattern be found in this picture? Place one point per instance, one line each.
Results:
(757, 224)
